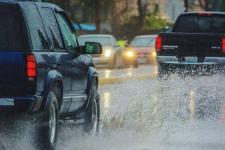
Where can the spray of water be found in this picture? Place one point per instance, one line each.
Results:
(177, 113)
(153, 114)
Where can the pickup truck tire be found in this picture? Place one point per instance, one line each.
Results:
(92, 115)
(47, 127)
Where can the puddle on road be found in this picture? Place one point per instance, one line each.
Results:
(156, 115)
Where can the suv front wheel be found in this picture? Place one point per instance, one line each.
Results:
(92, 116)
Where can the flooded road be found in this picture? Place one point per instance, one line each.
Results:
(149, 114)
(173, 114)
(128, 72)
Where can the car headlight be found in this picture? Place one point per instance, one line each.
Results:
(154, 54)
(129, 54)
(108, 53)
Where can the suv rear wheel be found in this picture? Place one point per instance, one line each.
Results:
(47, 128)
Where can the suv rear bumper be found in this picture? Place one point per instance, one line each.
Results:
(27, 104)
(207, 61)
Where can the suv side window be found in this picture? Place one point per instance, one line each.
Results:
(36, 28)
(69, 37)
(52, 28)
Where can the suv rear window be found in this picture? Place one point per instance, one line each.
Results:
(201, 23)
(10, 29)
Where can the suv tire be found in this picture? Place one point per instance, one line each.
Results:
(48, 125)
(92, 116)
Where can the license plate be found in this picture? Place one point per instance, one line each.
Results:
(6, 102)
(191, 59)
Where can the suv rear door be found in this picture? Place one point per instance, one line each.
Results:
(63, 64)
(63, 57)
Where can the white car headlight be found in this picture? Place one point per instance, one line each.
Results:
(108, 53)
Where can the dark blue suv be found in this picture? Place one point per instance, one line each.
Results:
(43, 70)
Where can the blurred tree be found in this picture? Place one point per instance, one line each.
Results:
(97, 15)
(217, 5)
(85, 7)
(207, 5)
(204, 4)
(155, 23)
(142, 10)
(124, 17)
(186, 5)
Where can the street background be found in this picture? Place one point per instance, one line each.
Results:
(140, 111)
(127, 18)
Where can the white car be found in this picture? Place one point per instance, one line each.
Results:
(111, 56)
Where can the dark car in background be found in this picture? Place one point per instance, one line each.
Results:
(113, 56)
(144, 47)
(44, 72)
(197, 42)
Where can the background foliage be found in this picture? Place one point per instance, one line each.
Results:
(117, 14)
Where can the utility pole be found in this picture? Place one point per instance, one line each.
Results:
(97, 15)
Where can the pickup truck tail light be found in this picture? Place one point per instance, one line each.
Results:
(31, 66)
(158, 43)
(223, 45)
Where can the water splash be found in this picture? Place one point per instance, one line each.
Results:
(177, 113)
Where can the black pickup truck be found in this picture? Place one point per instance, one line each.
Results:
(197, 40)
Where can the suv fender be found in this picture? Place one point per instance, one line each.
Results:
(52, 78)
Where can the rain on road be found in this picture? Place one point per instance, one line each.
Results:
(150, 114)
(141, 112)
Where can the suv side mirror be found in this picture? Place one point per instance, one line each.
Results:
(92, 48)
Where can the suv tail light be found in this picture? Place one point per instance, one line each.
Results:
(31, 66)
(223, 45)
(158, 43)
